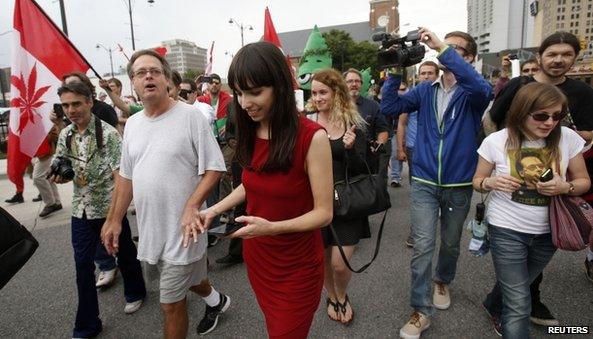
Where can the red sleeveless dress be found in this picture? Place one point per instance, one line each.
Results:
(285, 271)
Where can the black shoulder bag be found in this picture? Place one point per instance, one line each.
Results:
(360, 196)
(17, 245)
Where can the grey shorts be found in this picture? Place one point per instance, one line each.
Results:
(175, 280)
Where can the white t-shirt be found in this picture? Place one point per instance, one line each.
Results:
(207, 110)
(165, 157)
(525, 210)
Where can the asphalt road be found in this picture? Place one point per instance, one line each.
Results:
(40, 301)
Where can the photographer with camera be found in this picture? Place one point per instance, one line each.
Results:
(449, 114)
(88, 153)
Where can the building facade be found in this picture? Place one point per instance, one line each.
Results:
(184, 55)
(500, 24)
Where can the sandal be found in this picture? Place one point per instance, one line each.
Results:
(335, 306)
(342, 307)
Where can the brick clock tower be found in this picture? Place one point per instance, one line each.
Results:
(384, 15)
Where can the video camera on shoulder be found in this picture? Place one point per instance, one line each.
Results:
(399, 52)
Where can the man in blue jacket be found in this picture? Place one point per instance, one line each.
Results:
(449, 114)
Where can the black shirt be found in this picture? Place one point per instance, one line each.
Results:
(371, 113)
(579, 94)
(104, 112)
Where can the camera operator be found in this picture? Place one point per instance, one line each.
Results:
(449, 114)
(88, 153)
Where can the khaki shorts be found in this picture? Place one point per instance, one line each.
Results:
(175, 280)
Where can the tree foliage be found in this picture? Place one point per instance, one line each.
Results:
(192, 74)
(347, 53)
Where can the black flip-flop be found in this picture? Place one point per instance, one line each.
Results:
(335, 305)
(342, 307)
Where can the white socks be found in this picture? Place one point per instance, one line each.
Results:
(213, 299)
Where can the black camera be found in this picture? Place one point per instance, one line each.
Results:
(62, 166)
(59, 111)
(402, 52)
(206, 79)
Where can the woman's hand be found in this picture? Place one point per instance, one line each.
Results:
(504, 183)
(254, 227)
(553, 187)
(349, 137)
(204, 218)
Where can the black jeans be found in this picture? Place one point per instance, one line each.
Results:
(85, 238)
(493, 300)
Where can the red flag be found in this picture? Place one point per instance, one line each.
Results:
(161, 50)
(271, 36)
(41, 56)
(208, 69)
(269, 30)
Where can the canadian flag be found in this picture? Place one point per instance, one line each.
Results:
(271, 36)
(41, 56)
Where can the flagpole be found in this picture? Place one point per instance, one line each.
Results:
(63, 13)
(65, 37)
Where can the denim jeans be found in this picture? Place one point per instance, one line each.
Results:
(396, 165)
(518, 259)
(454, 204)
(85, 237)
(105, 261)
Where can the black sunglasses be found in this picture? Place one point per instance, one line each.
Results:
(545, 116)
(462, 49)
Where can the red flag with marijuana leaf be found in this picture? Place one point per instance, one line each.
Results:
(41, 56)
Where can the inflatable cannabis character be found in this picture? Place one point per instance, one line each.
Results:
(316, 56)
(366, 81)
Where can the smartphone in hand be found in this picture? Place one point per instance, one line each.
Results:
(547, 175)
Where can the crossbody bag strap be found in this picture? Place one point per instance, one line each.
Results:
(377, 246)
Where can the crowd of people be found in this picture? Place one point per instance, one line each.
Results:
(192, 157)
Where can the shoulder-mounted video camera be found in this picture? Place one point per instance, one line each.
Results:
(399, 52)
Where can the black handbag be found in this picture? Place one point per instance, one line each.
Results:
(361, 195)
(17, 245)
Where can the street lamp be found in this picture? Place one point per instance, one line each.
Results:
(110, 55)
(241, 27)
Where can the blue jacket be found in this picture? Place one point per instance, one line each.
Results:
(445, 154)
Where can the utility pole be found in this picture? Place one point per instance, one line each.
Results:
(63, 13)
(131, 24)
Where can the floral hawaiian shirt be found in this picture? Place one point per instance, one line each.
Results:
(93, 168)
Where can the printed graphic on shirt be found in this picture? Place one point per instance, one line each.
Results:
(528, 165)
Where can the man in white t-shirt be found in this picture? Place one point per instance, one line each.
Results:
(170, 163)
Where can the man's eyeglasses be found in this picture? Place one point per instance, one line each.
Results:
(184, 93)
(141, 73)
(459, 48)
(353, 81)
(541, 116)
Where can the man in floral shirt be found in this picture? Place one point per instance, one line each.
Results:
(94, 149)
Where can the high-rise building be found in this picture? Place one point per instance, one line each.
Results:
(183, 55)
(574, 16)
(500, 25)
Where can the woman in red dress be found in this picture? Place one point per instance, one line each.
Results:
(287, 187)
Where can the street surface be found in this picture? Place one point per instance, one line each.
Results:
(40, 301)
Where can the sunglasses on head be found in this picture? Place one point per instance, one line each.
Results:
(541, 116)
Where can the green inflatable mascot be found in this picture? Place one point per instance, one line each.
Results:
(315, 56)
(366, 82)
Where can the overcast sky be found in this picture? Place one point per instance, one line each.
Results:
(203, 21)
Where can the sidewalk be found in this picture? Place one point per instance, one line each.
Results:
(28, 212)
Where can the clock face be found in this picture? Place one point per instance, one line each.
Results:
(383, 20)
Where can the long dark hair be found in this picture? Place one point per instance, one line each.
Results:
(256, 65)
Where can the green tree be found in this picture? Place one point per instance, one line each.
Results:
(347, 53)
(192, 74)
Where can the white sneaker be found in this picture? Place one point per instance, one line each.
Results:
(417, 324)
(106, 278)
(441, 298)
(133, 306)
